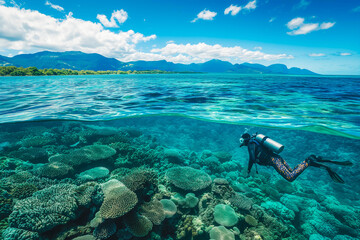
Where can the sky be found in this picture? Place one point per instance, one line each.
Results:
(319, 35)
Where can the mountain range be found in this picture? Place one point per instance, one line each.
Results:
(84, 61)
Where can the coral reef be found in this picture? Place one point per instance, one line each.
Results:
(188, 178)
(118, 199)
(120, 180)
(84, 155)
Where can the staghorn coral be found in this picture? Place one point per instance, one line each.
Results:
(23, 190)
(118, 199)
(154, 211)
(188, 178)
(84, 155)
(138, 225)
(45, 209)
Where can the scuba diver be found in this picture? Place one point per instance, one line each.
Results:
(264, 151)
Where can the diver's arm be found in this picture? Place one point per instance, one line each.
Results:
(251, 149)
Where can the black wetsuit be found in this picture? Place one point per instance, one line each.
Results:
(263, 156)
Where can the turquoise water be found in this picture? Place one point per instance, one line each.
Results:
(158, 157)
(277, 101)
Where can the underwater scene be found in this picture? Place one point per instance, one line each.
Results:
(158, 157)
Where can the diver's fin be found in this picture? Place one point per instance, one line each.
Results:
(334, 176)
(342, 163)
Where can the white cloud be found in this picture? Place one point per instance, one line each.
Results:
(327, 25)
(2, 2)
(56, 7)
(316, 54)
(205, 15)
(258, 48)
(295, 23)
(272, 19)
(119, 15)
(345, 54)
(30, 30)
(201, 52)
(357, 9)
(299, 27)
(233, 9)
(250, 5)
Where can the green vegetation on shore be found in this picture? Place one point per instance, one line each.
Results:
(33, 71)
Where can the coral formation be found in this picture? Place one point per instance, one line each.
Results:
(225, 215)
(138, 225)
(188, 178)
(169, 206)
(221, 233)
(118, 199)
(94, 174)
(154, 211)
(45, 209)
(84, 155)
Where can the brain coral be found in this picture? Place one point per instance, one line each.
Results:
(84, 155)
(225, 215)
(118, 199)
(45, 209)
(154, 211)
(188, 178)
(138, 225)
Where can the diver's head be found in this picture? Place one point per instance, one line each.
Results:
(244, 140)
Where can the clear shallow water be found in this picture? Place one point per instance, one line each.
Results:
(320, 104)
(148, 124)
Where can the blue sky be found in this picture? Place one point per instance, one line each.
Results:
(320, 35)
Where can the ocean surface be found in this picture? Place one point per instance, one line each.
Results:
(158, 157)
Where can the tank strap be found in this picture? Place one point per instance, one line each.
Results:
(263, 140)
(254, 141)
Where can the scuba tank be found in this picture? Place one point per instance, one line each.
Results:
(269, 143)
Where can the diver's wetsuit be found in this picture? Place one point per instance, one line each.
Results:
(262, 156)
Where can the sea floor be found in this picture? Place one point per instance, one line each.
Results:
(169, 177)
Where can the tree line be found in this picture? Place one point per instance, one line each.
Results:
(33, 71)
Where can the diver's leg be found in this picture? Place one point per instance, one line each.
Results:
(287, 165)
(280, 167)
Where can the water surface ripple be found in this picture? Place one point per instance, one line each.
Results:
(270, 100)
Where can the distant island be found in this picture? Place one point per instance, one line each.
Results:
(79, 61)
(33, 71)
